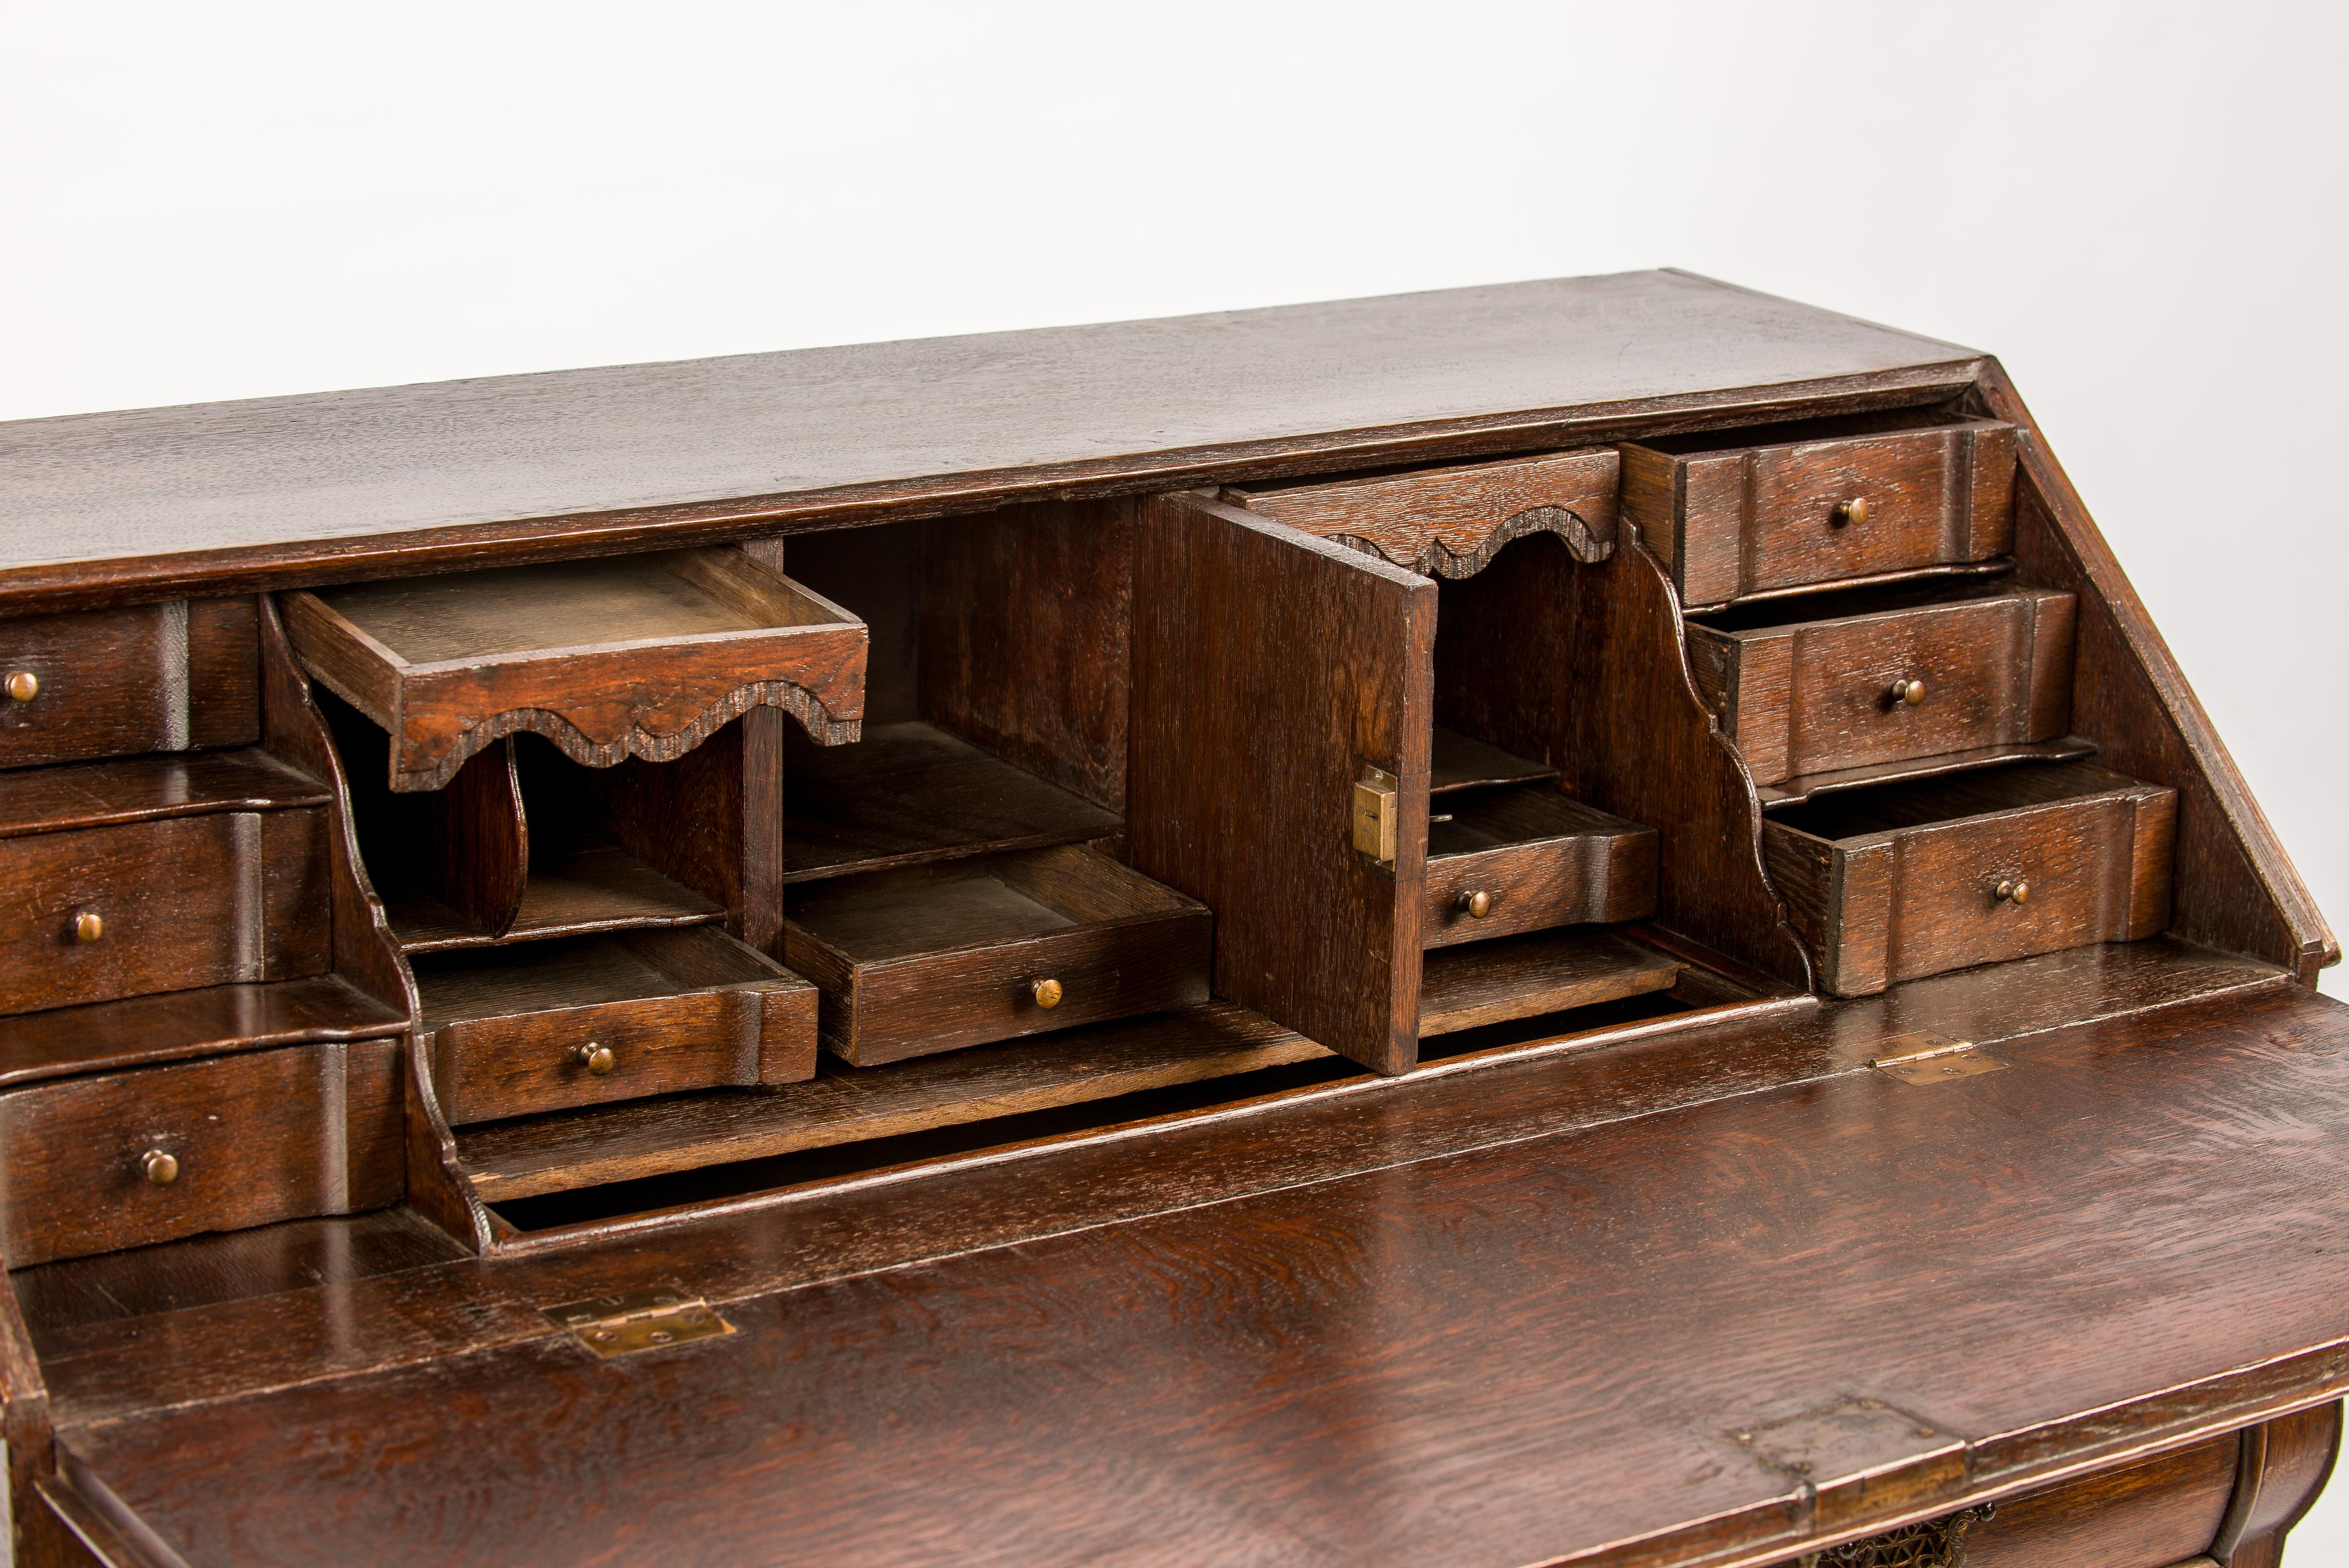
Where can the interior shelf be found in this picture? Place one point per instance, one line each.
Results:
(596, 887)
(556, 1153)
(910, 793)
(1793, 791)
(1548, 971)
(1463, 762)
(138, 1031)
(145, 789)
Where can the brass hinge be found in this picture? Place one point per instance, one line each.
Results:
(1929, 1058)
(648, 1319)
(1377, 797)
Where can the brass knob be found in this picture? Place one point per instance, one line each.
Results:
(2016, 892)
(1047, 992)
(22, 685)
(88, 926)
(597, 1059)
(1910, 691)
(160, 1167)
(1478, 904)
(1850, 512)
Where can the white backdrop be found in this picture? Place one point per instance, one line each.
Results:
(2138, 207)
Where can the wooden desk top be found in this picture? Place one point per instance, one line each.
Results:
(275, 492)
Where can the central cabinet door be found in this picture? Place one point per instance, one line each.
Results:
(1276, 678)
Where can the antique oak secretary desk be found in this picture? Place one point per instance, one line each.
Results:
(1578, 921)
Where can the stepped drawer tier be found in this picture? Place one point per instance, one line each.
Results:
(938, 957)
(1897, 881)
(1787, 507)
(1812, 685)
(124, 1159)
(1523, 859)
(646, 656)
(97, 913)
(548, 1026)
(154, 678)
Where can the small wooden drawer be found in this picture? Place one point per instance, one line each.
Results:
(98, 913)
(1735, 513)
(644, 656)
(1896, 881)
(117, 683)
(124, 1159)
(938, 957)
(1812, 685)
(548, 1026)
(1515, 860)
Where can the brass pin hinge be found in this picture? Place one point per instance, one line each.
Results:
(648, 1319)
(1929, 1058)
(1377, 810)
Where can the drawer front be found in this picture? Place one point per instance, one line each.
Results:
(1533, 887)
(155, 677)
(489, 1068)
(1807, 699)
(1736, 522)
(887, 1011)
(251, 1139)
(98, 913)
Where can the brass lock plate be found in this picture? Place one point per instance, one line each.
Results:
(1378, 794)
(649, 1319)
(1929, 1058)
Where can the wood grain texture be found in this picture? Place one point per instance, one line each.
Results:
(1898, 881)
(1494, 982)
(1450, 522)
(1585, 667)
(840, 1105)
(1259, 1348)
(146, 789)
(182, 901)
(677, 1010)
(1463, 762)
(1735, 513)
(1541, 859)
(645, 657)
(264, 1136)
(174, 1025)
(2282, 1465)
(1807, 696)
(158, 677)
(2236, 887)
(1269, 668)
(1804, 786)
(1025, 620)
(2150, 1515)
(358, 484)
(937, 957)
(477, 860)
(910, 793)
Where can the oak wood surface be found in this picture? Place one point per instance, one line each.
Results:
(2149, 1515)
(910, 793)
(2283, 1464)
(143, 789)
(1550, 972)
(344, 485)
(157, 677)
(1803, 786)
(1435, 1359)
(1463, 762)
(1540, 858)
(210, 1021)
(1270, 667)
(645, 657)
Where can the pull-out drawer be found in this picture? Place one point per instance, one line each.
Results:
(94, 1165)
(1896, 881)
(1507, 860)
(934, 957)
(548, 1026)
(1810, 685)
(644, 656)
(112, 683)
(98, 913)
(1741, 513)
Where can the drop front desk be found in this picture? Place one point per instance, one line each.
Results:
(1574, 922)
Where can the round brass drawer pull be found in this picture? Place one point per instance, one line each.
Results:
(160, 1166)
(1477, 903)
(2016, 892)
(1848, 513)
(22, 685)
(88, 926)
(1047, 992)
(1910, 691)
(597, 1059)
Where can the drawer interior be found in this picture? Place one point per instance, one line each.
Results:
(1470, 821)
(1887, 808)
(469, 984)
(1849, 603)
(974, 902)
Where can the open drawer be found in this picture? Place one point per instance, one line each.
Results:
(548, 1026)
(645, 656)
(1897, 881)
(1524, 859)
(935, 957)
